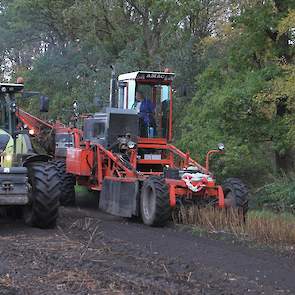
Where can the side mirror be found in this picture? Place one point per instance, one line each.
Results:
(219, 150)
(44, 104)
(75, 105)
(76, 108)
(221, 147)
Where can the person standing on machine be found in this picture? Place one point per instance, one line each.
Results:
(146, 110)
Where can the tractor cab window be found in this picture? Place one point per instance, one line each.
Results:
(4, 139)
(4, 124)
(64, 140)
(152, 102)
(165, 108)
(126, 94)
(98, 130)
(122, 94)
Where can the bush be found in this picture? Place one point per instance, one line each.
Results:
(278, 196)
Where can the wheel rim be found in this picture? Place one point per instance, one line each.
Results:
(148, 202)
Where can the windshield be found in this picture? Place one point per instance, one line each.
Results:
(4, 118)
(152, 103)
(64, 140)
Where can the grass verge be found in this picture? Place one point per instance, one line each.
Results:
(264, 227)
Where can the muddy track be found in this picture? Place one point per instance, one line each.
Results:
(93, 253)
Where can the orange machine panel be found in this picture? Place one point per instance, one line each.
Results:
(79, 161)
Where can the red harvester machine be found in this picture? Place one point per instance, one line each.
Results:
(132, 163)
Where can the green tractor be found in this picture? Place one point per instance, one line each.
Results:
(29, 182)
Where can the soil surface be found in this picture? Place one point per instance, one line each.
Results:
(94, 253)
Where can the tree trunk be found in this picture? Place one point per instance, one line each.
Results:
(286, 162)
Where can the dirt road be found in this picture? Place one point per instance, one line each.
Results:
(93, 253)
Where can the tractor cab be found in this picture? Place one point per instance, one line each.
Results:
(7, 105)
(7, 122)
(29, 185)
(150, 95)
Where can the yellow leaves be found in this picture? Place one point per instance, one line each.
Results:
(265, 104)
(225, 31)
(282, 88)
(208, 41)
(287, 23)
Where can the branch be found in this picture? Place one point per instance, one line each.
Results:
(131, 2)
(105, 15)
(272, 35)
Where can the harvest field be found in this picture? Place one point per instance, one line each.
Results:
(94, 253)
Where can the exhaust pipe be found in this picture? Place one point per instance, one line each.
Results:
(113, 83)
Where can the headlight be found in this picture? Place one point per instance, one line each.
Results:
(131, 144)
(3, 89)
(8, 158)
(221, 146)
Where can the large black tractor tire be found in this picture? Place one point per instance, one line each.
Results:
(67, 188)
(154, 201)
(236, 194)
(42, 211)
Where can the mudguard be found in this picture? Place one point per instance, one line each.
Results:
(120, 198)
(36, 158)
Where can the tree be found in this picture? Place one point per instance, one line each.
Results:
(246, 92)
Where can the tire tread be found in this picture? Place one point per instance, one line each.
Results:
(162, 210)
(45, 194)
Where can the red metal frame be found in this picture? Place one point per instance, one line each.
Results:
(93, 163)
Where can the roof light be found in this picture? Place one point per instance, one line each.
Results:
(8, 158)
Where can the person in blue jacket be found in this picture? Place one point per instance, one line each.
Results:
(146, 110)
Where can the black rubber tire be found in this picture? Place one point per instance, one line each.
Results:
(155, 207)
(67, 188)
(235, 189)
(42, 211)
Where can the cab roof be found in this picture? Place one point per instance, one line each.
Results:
(146, 75)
